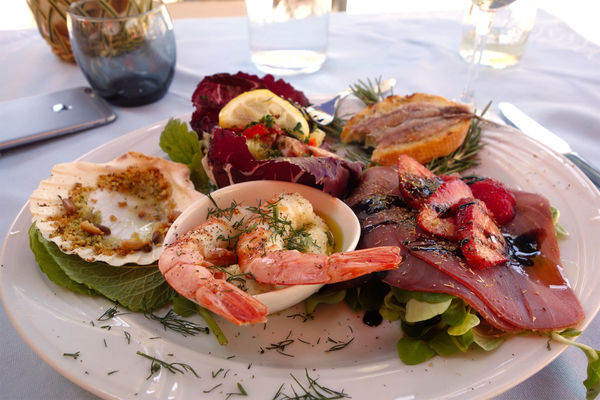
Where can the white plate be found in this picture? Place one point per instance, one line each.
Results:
(54, 321)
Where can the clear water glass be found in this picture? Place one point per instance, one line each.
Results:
(125, 49)
(288, 37)
(507, 37)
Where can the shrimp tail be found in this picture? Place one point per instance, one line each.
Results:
(196, 282)
(291, 267)
(230, 302)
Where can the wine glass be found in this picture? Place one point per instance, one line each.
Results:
(483, 24)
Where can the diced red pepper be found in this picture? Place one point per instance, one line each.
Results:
(258, 130)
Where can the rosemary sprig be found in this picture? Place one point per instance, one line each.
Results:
(175, 367)
(171, 321)
(310, 391)
(368, 92)
(75, 355)
(465, 156)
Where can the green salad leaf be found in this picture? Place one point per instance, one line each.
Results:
(558, 228)
(51, 267)
(413, 351)
(182, 145)
(184, 306)
(137, 288)
(330, 297)
(592, 382)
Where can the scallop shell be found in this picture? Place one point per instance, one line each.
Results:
(119, 211)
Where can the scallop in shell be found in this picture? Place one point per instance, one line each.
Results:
(117, 212)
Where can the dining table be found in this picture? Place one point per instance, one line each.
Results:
(557, 83)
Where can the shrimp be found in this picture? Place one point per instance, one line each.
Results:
(270, 249)
(188, 265)
(281, 242)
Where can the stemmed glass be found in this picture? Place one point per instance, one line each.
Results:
(483, 25)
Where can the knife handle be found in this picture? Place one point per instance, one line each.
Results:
(587, 169)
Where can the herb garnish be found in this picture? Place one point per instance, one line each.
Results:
(171, 367)
(368, 92)
(312, 391)
(212, 388)
(303, 316)
(339, 346)
(171, 321)
(108, 314)
(465, 156)
(242, 392)
(74, 355)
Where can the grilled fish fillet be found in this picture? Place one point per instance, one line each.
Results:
(422, 126)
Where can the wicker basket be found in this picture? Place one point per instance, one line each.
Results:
(51, 19)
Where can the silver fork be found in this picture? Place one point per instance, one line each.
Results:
(323, 114)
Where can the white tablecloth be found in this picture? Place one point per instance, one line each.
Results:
(557, 83)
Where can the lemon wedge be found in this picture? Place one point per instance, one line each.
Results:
(253, 105)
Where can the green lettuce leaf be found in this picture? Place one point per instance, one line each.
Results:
(183, 146)
(50, 267)
(137, 288)
(184, 306)
(180, 143)
(592, 382)
(417, 310)
(413, 351)
(331, 297)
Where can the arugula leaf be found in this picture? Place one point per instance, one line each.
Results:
(137, 288)
(183, 146)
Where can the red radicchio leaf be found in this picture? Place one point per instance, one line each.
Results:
(214, 91)
(231, 162)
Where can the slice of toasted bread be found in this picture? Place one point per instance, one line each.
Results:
(422, 126)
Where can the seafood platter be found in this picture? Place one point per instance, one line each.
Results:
(247, 250)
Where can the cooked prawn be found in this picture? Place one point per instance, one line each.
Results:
(281, 242)
(264, 251)
(188, 266)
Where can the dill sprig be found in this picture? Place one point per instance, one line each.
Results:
(171, 321)
(368, 92)
(238, 279)
(175, 367)
(339, 346)
(311, 390)
(108, 314)
(466, 156)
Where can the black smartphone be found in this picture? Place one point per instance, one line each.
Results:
(29, 119)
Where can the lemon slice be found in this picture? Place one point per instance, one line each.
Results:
(253, 105)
